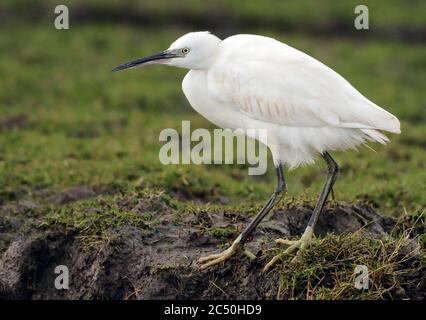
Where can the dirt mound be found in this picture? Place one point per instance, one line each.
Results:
(158, 262)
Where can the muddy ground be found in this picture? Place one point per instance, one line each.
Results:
(159, 261)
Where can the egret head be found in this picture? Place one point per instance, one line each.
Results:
(194, 50)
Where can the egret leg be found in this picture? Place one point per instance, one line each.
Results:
(305, 240)
(238, 244)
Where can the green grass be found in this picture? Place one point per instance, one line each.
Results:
(83, 125)
(326, 270)
(67, 121)
(300, 14)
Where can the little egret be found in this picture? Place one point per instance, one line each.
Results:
(255, 82)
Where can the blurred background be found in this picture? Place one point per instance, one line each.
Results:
(67, 123)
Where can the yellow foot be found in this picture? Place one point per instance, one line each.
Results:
(300, 245)
(213, 259)
(285, 242)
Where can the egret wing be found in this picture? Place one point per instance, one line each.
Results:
(288, 87)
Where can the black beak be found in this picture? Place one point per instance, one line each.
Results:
(155, 58)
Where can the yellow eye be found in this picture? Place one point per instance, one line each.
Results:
(185, 50)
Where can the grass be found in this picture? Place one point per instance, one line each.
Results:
(82, 125)
(326, 271)
(300, 15)
(66, 121)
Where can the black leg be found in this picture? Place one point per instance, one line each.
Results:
(333, 170)
(238, 243)
(276, 196)
(304, 241)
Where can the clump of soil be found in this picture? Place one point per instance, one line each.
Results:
(159, 261)
(78, 193)
(12, 122)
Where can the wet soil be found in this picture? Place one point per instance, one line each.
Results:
(158, 261)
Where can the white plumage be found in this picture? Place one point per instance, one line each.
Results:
(307, 108)
(254, 82)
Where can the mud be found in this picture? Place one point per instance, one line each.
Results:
(158, 262)
(12, 122)
(78, 193)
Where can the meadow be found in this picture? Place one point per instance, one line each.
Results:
(75, 136)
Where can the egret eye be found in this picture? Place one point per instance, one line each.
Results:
(185, 50)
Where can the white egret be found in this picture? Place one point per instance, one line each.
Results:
(255, 82)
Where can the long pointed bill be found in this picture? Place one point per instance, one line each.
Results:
(155, 58)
